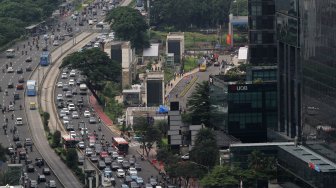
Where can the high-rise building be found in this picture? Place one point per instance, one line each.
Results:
(307, 73)
(289, 68)
(262, 39)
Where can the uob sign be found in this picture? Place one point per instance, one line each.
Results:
(241, 88)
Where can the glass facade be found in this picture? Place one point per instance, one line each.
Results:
(318, 59)
(264, 73)
(262, 39)
(289, 69)
(252, 108)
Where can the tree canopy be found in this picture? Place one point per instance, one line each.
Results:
(95, 65)
(129, 24)
(205, 151)
(199, 105)
(17, 14)
(184, 14)
(147, 131)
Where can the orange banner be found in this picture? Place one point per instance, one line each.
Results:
(228, 39)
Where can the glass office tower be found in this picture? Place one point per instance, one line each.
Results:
(306, 34)
(318, 59)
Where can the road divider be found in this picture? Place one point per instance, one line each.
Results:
(189, 85)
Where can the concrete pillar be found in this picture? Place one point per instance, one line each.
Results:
(90, 182)
(97, 179)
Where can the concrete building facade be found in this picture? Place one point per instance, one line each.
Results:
(175, 45)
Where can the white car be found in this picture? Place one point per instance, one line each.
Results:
(87, 113)
(18, 121)
(71, 82)
(120, 173)
(55, 43)
(132, 172)
(81, 145)
(71, 107)
(64, 75)
(72, 73)
(59, 97)
(66, 110)
(62, 114)
(75, 115)
(120, 159)
(72, 134)
(66, 119)
(10, 70)
(185, 157)
(59, 84)
(88, 151)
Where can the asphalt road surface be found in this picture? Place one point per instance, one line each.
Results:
(201, 76)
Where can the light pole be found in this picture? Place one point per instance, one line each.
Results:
(236, 1)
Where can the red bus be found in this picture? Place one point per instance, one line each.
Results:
(121, 144)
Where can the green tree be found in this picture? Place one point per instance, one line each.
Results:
(205, 151)
(263, 167)
(222, 177)
(163, 126)
(185, 170)
(199, 105)
(201, 14)
(149, 133)
(129, 24)
(56, 139)
(95, 65)
(71, 158)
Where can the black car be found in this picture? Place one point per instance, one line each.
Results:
(125, 164)
(29, 59)
(19, 71)
(41, 178)
(132, 160)
(137, 166)
(10, 85)
(21, 80)
(81, 23)
(30, 168)
(115, 166)
(127, 180)
(39, 161)
(70, 127)
(16, 137)
(101, 165)
(60, 105)
(61, 37)
(46, 171)
(18, 144)
(28, 69)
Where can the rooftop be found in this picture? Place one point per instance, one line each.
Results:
(310, 157)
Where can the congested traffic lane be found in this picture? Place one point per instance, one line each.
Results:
(14, 69)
